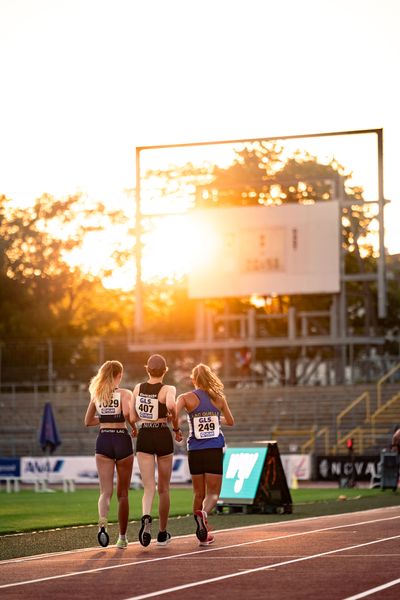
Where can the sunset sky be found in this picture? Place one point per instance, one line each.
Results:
(86, 81)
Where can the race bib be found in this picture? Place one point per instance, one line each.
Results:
(147, 408)
(206, 427)
(110, 407)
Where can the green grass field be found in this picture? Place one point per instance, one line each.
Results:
(58, 521)
(30, 511)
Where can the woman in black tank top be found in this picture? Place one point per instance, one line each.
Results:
(153, 403)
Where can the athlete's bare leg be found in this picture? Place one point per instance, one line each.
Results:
(213, 489)
(105, 469)
(199, 491)
(124, 471)
(147, 471)
(164, 464)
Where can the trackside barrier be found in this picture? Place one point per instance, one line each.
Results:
(13, 484)
(68, 485)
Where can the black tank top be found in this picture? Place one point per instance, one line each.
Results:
(151, 390)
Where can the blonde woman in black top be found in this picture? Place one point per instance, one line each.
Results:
(153, 405)
(109, 408)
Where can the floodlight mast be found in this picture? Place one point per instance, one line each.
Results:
(382, 292)
(138, 254)
(381, 267)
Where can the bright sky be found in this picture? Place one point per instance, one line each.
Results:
(83, 82)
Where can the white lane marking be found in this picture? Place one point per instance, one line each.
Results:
(215, 549)
(256, 570)
(384, 586)
(190, 535)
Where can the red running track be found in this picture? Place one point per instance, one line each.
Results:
(339, 557)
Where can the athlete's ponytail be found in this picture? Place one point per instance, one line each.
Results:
(102, 385)
(207, 380)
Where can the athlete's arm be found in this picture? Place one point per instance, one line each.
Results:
(227, 417)
(133, 416)
(126, 407)
(171, 405)
(91, 419)
(180, 404)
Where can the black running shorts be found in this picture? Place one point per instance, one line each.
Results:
(209, 460)
(153, 440)
(114, 443)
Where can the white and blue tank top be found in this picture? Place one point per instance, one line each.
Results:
(110, 411)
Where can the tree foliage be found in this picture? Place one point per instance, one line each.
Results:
(41, 294)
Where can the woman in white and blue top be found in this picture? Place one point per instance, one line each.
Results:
(207, 408)
(109, 408)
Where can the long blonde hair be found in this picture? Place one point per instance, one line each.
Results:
(102, 385)
(207, 380)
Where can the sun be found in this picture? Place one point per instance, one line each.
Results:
(170, 244)
(169, 247)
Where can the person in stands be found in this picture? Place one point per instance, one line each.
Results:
(109, 407)
(207, 408)
(153, 406)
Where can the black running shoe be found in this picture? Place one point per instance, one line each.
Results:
(163, 538)
(145, 530)
(202, 526)
(102, 536)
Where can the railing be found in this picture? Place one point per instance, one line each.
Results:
(364, 397)
(384, 409)
(364, 438)
(357, 434)
(293, 433)
(311, 443)
(382, 381)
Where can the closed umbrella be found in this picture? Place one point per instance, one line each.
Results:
(49, 437)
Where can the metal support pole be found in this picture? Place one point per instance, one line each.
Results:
(382, 308)
(291, 323)
(50, 372)
(138, 254)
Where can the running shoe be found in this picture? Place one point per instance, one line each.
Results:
(145, 530)
(163, 538)
(210, 540)
(200, 516)
(102, 535)
(122, 544)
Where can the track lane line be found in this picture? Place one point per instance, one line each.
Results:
(191, 553)
(191, 535)
(380, 588)
(257, 570)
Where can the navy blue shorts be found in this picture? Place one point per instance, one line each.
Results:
(209, 460)
(155, 440)
(114, 443)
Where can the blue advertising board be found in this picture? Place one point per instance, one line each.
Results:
(254, 479)
(10, 467)
(242, 472)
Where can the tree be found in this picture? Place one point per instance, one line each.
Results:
(43, 297)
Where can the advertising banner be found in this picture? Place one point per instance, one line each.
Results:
(333, 468)
(254, 479)
(296, 465)
(242, 472)
(82, 469)
(9, 467)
